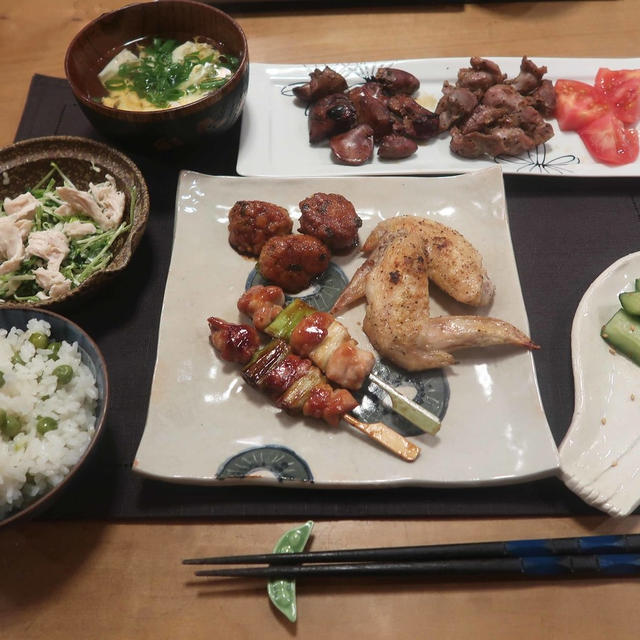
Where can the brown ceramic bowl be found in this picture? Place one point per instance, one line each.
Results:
(165, 129)
(24, 164)
(61, 329)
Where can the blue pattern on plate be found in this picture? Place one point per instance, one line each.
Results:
(536, 161)
(430, 390)
(282, 462)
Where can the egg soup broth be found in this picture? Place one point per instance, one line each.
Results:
(156, 73)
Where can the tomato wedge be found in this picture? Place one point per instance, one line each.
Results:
(621, 89)
(608, 80)
(625, 101)
(578, 104)
(608, 140)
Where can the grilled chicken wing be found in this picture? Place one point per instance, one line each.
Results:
(397, 317)
(451, 262)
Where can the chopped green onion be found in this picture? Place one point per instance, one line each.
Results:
(156, 77)
(264, 360)
(287, 320)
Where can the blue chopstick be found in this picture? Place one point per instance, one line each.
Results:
(604, 544)
(599, 565)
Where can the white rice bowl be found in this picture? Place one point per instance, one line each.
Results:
(32, 463)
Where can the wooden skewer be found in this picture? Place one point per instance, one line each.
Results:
(386, 436)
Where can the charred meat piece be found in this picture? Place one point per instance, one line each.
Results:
(503, 95)
(529, 78)
(322, 83)
(532, 123)
(397, 81)
(393, 147)
(353, 147)
(456, 104)
(487, 120)
(253, 222)
(414, 121)
(296, 385)
(283, 374)
(483, 118)
(262, 303)
(328, 404)
(329, 116)
(543, 99)
(498, 141)
(310, 332)
(480, 76)
(332, 219)
(508, 116)
(372, 88)
(235, 342)
(291, 262)
(371, 108)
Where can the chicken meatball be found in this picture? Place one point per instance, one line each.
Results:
(253, 222)
(331, 218)
(292, 261)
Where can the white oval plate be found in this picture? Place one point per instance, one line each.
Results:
(204, 424)
(600, 454)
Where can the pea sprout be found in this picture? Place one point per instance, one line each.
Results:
(87, 255)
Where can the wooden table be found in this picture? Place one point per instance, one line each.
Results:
(124, 580)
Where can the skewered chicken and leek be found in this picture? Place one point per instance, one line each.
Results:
(295, 384)
(320, 337)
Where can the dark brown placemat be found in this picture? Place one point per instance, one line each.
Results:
(565, 232)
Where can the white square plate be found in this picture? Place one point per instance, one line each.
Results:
(205, 424)
(274, 137)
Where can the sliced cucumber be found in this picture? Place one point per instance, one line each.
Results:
(623, 333)
(630, 301)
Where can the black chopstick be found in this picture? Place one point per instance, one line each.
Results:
(605, 565)
(608, 544)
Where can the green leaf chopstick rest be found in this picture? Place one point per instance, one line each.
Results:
(282, 592)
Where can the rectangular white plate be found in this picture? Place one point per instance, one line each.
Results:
(201, 414)
(274, 138)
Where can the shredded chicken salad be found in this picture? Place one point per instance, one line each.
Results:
(55, 236)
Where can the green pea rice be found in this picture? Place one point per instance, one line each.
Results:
(31, 463)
